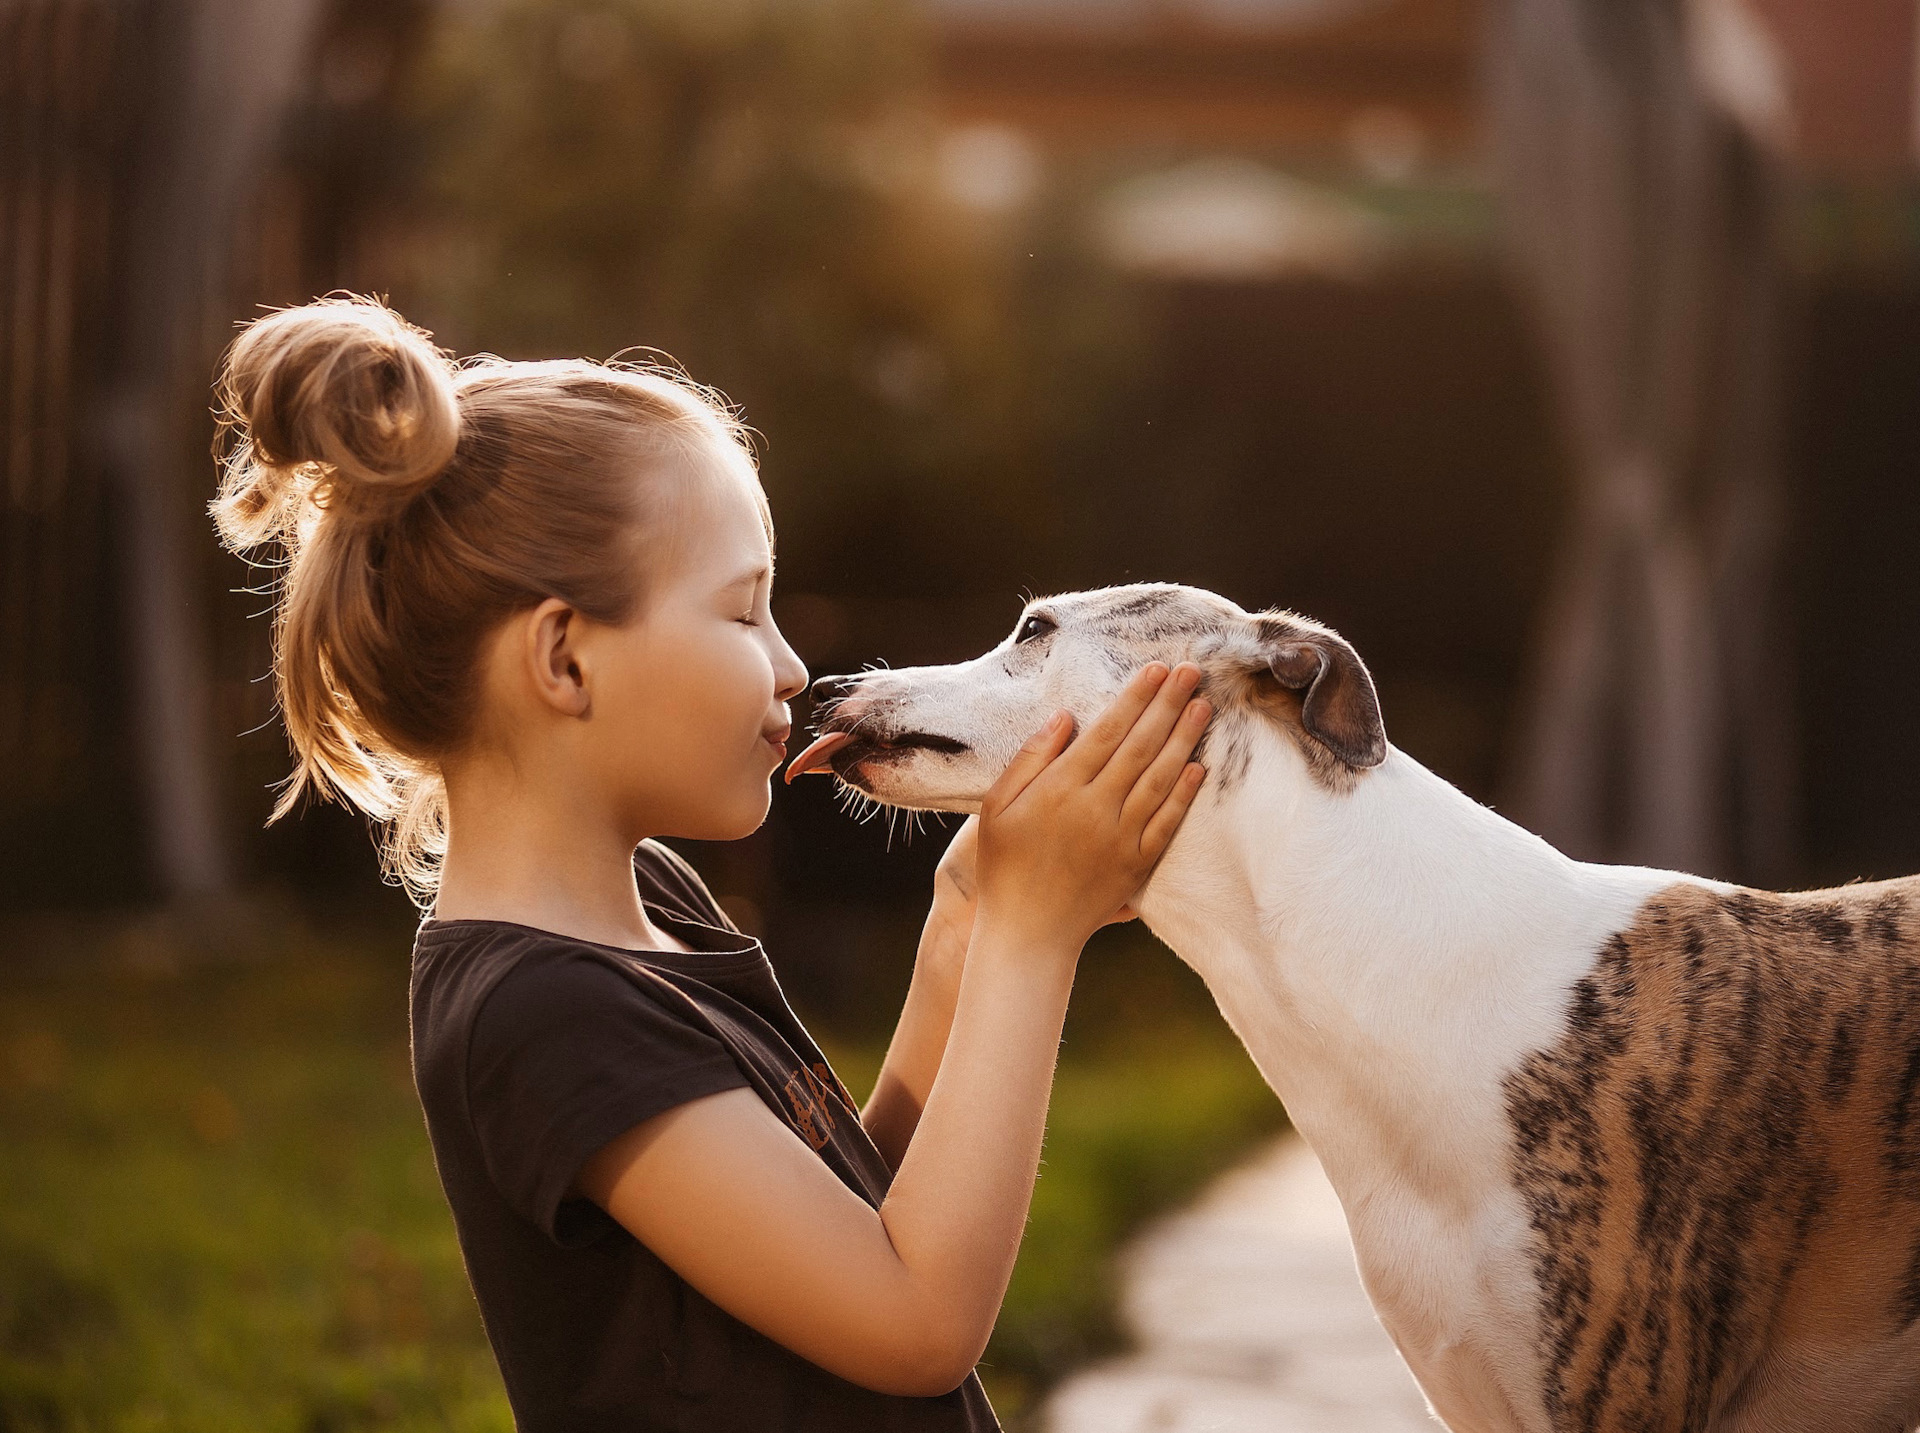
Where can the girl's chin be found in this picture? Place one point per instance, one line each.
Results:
(748, 815)
(730, 814)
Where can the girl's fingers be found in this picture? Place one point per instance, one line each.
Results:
(1104, 733)
(1164, 822)
(1159, 723)
(1157, 782)
(1032, 759)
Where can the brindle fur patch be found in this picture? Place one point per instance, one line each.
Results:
(1721, 1157)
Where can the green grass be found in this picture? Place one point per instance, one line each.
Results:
(218, 1210)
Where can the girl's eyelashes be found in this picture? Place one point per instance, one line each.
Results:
(752, 616)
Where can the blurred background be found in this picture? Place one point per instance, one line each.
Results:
(1564, 354)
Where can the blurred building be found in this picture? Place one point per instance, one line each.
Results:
(1848, 73)
(1386, 91)
(1315, 77)
(1220, 114)
(1386, 81)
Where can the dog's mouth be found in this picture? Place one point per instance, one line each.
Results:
(841, 752)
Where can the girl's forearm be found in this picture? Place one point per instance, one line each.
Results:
(959, 1201)
(892, 1111)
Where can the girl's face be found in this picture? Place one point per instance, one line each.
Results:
(689, 719)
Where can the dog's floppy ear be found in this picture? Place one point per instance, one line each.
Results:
(1339, 708)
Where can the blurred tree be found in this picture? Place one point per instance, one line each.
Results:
(222, 74)
(1642, 212)
(753, 188)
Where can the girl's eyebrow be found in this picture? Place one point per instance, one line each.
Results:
(751, 576)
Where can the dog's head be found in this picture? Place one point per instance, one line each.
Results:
(935, 738)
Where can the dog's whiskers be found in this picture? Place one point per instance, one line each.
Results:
(857, 804)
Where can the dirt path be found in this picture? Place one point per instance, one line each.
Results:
(1248, 1317)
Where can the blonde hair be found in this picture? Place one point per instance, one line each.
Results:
(418, 503)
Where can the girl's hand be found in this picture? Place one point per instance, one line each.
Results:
(1076, 824)
(956, 884)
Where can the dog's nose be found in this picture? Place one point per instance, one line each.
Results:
(831, 688)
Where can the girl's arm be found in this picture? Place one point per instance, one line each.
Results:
(902, 1299)
(920, 1039)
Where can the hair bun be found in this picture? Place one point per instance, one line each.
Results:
(341, 404)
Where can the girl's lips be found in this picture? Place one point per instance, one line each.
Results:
(817, 756)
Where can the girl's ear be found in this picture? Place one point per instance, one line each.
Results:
(557, 667)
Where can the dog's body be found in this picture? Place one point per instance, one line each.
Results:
(1620, 1149)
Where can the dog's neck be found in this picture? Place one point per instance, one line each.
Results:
(1383, 953)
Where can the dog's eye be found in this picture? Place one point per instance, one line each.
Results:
(1034, 626)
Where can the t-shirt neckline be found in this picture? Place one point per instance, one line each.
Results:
(742, 948)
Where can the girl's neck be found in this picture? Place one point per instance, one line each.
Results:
(548, 863)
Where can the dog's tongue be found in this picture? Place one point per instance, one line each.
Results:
(816, 756)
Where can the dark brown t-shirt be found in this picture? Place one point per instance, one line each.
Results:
(530, 1052)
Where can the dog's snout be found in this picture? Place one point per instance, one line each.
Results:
(829, 689)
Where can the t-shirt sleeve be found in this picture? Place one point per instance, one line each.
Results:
(566, 1055)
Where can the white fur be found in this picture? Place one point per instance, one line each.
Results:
(1388, 954)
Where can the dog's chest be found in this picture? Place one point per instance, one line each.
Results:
(1454, 1286)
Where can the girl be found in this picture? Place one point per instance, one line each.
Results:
(524, 622)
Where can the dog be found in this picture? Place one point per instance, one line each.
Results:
(1622, 1150)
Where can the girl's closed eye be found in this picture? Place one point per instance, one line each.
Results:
(754, 585)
